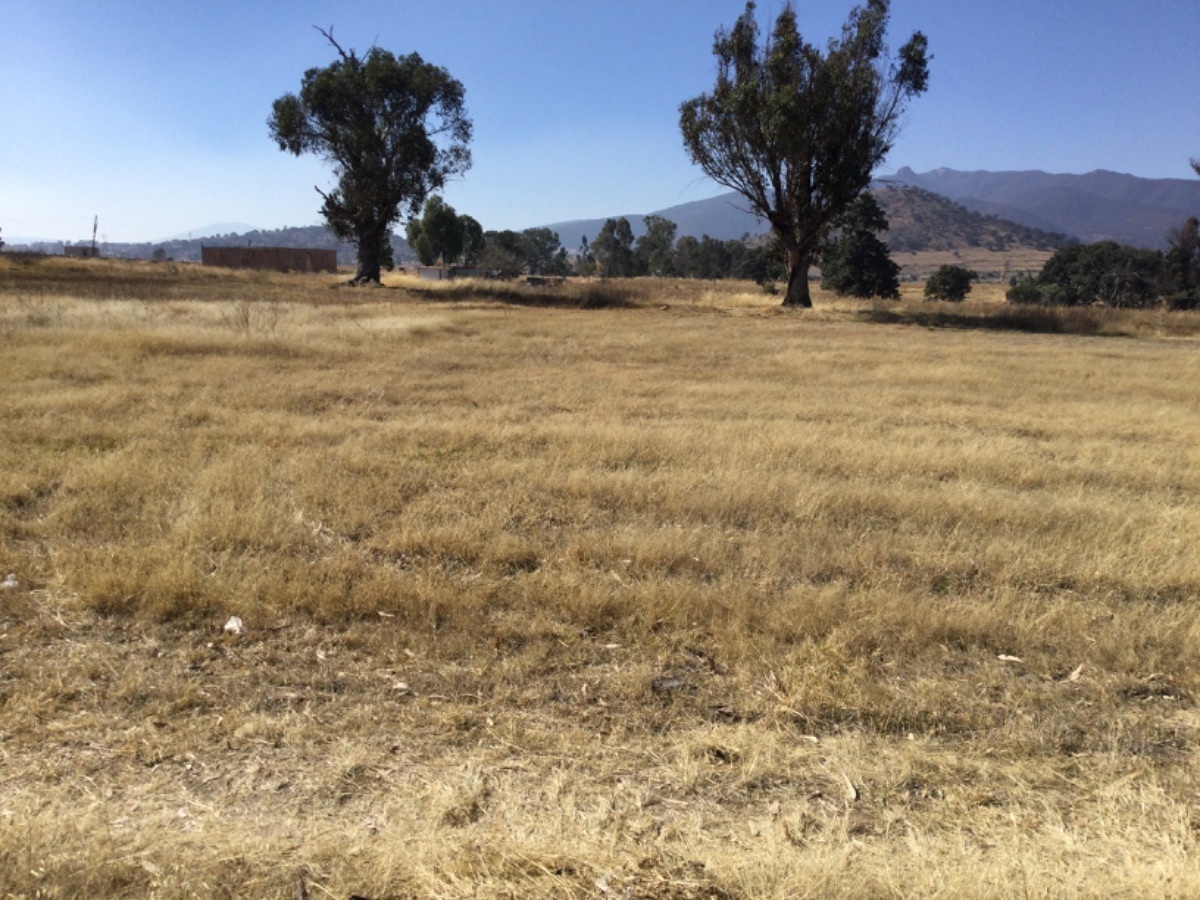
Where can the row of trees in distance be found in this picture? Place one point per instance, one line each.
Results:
(443, 236)
(1110, 274)
(796, 129)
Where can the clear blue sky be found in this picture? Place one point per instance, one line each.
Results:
(153, 114)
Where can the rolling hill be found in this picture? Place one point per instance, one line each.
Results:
(1097, 206)
(920, 220)
(943, 211)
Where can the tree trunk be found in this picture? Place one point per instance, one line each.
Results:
(369, 260)
(368, 263)
(797, 289)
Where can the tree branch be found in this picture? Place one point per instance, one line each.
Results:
(329, 37)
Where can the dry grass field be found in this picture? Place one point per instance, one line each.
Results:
(647, 590)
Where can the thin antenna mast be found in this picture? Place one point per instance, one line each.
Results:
(95, 225)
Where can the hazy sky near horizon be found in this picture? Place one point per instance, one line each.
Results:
(152, 115)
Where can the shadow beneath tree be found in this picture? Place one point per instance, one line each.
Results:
(1032, 319)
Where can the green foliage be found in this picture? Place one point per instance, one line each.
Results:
(1183, 265)
(1111, 274)
(1106, 273)
(393, 128)
(422, 246)
(855, 263)
(613, 249)
(540, 252)
(1026, 291)
(504, 253)
(708, 257)
(654, 252)
(438, 234)
(764, 264)
(585, 261)
(951, 283)
(473, 240)
(534, 250)
(797, 131)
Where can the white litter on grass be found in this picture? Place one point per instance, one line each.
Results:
(235, 626)
(9, 583)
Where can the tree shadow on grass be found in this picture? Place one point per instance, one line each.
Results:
(566, 295)
(1032, 319)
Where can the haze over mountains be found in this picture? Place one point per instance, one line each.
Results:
(920, 220)
(951, 209)
(1094, 207)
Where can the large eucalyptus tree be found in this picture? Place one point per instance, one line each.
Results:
(393, 127)
(797, 131)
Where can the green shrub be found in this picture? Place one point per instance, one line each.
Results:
(1025, 291)
(951, 283)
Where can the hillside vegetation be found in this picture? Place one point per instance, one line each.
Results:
(1097, 206)
(919, 220)
(682, 596)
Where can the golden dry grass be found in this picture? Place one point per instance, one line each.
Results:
(693, 597)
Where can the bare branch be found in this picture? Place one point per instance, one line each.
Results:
(329, 37)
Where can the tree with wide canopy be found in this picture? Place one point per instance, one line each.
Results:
(394, 128)
(797, 131)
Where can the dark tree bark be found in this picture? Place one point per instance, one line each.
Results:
(797, 288)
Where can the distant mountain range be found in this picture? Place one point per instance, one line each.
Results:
(206, 231)
(919, 220)
(939, 210)
(1094, 207)
(724, 217)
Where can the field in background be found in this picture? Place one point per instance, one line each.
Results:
(644, 589)
(992, 266)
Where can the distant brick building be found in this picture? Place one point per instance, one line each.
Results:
(278, 259)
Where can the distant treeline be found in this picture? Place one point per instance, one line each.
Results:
(615, 253)
(441, 234)
(917, 220)
(1111, 274)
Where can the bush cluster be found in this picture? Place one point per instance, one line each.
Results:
(1111, 274)
(951, 283)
